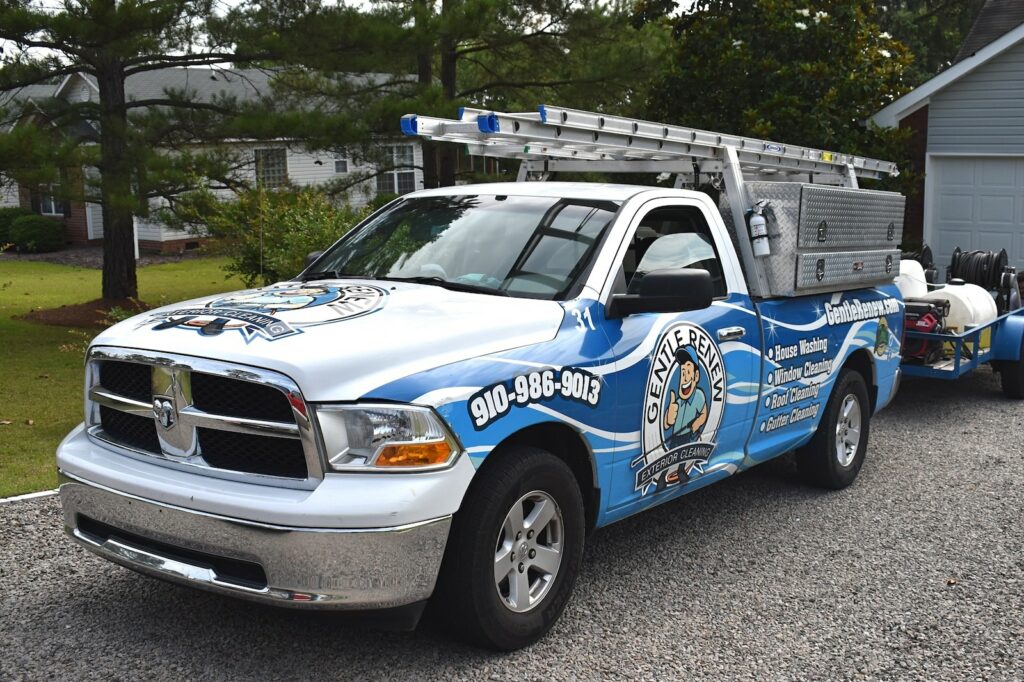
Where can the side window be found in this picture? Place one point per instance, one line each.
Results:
(672, 237)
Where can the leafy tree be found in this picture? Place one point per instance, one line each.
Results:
(933, 31)
(798, 71)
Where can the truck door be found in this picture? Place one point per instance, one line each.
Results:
(687, 383)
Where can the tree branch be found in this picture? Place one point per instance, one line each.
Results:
(39, 78)
(55, 45)
(205, 59)
(178, 104)
(526, 84)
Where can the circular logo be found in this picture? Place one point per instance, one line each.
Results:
(276, 312)
(683, 407)
(306, 304)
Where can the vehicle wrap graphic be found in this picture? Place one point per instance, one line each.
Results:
(274, 312)
(495, 401)
(683, 403)
(763, 392)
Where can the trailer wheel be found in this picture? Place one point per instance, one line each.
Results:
(1011, 372)
(834, 456)
(514, 550)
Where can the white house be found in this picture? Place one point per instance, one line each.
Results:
(271, 164)
(968, 125)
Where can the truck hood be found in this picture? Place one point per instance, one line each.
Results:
(341, 339)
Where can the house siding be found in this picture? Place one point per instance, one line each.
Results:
(77, 90)
(982, 113)
(303, 171)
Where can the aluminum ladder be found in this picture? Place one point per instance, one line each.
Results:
(557, 139)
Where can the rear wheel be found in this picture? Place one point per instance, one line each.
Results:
(1011, 372)
(514, 551)
(834, 456)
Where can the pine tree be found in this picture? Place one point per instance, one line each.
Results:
(140, 148)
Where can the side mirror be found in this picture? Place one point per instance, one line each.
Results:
(666, 291)
(312, 256)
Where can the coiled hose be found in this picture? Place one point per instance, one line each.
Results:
(984, 268)
(927, 261)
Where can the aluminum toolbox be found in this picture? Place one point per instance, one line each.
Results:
(825, 238)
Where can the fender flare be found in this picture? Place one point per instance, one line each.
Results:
(1007, 337)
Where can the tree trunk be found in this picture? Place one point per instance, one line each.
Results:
(447, 154)
(119, 279)
(425, 77)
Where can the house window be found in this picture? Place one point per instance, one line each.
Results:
(271, 167)
(402, 178)
(49, 204)
(340, 164)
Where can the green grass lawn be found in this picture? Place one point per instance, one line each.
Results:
(41, 383)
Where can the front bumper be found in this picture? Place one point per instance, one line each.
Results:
(355, 569)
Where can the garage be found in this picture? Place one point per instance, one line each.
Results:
(966, 127)
(975, 203)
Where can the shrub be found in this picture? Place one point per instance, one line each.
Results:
(267, 234)
(7, 217)
(36, 234)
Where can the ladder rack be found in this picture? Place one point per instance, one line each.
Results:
(555, 139)
(560, 139)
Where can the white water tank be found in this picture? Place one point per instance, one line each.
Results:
(969, 305)
(911, 281)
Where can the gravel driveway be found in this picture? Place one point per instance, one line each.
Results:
(916, 571)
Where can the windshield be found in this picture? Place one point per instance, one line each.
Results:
(533, 247)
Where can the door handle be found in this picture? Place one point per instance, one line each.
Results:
(731, 333)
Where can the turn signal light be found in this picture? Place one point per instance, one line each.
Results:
(414, 454)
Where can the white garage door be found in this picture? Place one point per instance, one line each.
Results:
(976, 203)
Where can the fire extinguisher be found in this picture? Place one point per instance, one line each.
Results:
(758, 227)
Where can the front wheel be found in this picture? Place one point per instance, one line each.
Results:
(514, 551)
(834, 456)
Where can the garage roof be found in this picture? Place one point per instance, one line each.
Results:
(996, 19)
(890, 116)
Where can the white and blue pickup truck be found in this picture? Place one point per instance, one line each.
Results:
(450, 398)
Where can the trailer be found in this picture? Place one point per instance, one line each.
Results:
(968, 350)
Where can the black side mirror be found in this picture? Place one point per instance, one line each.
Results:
(665, 291)
(312, 256)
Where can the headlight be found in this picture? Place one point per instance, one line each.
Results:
(389, 437)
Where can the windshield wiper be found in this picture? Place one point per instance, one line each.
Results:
(329, 274)
(431, 280)
(447, 284)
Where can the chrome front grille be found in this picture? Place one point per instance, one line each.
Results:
(221, 419)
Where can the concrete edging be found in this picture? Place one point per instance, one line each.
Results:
(28, 496)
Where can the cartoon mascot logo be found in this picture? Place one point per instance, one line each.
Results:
(276, 312)
(683, 408)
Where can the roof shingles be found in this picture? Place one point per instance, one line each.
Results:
(996, 19)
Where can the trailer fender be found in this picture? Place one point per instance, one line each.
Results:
(1007, 337)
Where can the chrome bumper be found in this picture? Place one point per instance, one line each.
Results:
(354, 569)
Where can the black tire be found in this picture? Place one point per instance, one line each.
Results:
(1011, 372)
(468, 597)
(819, 460)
